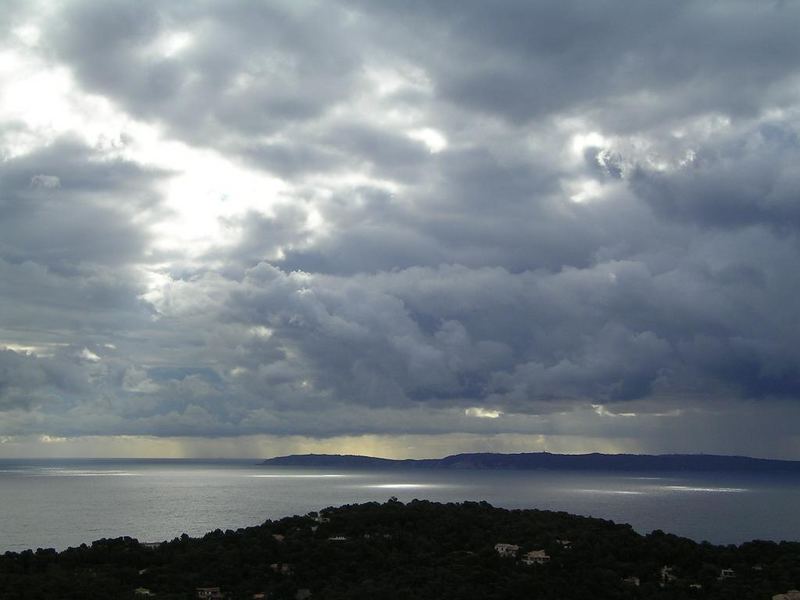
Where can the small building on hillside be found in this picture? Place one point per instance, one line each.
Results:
(667, 576)
(142, 592)
(506, 550)
(565, 544)
(150, 545)
(282, 568)
(726, 574)
(632, 580)
(209, 593)
(535, 557)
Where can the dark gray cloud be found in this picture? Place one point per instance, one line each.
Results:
(263, 69)
(251, 69)
(521, 61)
(523, 217)
(752, 179)
(61, 206)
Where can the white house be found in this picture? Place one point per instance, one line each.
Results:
(535, 557)
(150, 545)
(506, 550)
(666, 575)
(209, 593)
(726, 574)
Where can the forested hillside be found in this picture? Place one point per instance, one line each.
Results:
(409, 551)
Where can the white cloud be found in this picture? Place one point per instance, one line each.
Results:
(48, 182)
(88, 355)
(434, 140)
(482, 413)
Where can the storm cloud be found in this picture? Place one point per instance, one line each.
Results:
(540, 220)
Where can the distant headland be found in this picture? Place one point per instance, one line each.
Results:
(548, 461)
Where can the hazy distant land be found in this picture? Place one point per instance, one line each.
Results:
(548, 461)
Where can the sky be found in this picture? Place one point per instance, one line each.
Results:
(401, 229)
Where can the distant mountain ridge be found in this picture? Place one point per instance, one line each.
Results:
(547, 461)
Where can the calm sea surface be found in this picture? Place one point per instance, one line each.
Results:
(65, 503)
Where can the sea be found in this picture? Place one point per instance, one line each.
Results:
(63, 503)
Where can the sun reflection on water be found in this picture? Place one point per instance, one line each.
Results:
(689, 488)
(616, 492)
(299, 475)
(404, 486)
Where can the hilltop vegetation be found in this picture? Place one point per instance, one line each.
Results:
(409, 551)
